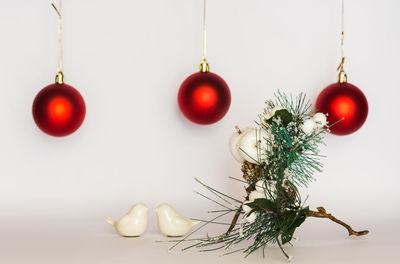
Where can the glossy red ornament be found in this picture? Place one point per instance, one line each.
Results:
(343, 100)
(204, 98)
(58, 109)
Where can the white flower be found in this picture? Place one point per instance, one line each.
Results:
(246, 209)
(308, 126)
(271, 113)
(256, 195)
(251, 218)
(320, 119)
(260, 186)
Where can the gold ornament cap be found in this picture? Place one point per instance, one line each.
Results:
(342, 77)
(204, 67)
(60, 77)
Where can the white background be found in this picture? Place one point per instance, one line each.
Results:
(128, 59)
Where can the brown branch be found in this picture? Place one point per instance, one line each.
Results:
(236, 217)
(234, 221)
(239, 211)
(250, 173)
(321, 213)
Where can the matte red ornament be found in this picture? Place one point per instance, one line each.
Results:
(58, 109)
(343, 100)
(204, 98)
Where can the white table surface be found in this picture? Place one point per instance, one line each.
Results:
(86, 240)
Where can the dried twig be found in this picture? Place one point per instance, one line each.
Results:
(234, 221)
(321, 213)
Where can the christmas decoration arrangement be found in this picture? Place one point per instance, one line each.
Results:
(279, 157)
(204, 97)
(342, 100)
(59, 109)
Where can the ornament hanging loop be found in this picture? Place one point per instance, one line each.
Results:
(204, 67)
(60, 76)
(342, 77)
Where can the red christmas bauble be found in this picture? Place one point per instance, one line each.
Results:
(343, 100)
(58, 109)
(204, 98)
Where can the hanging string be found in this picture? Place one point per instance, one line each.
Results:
(204, 30)
(342, 33)
(342, 75)
(60, 42)
(204, 67)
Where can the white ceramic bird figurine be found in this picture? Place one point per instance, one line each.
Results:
(171, 223)
(134, 223)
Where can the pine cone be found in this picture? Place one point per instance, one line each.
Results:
(251, 172)
(287, 195)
